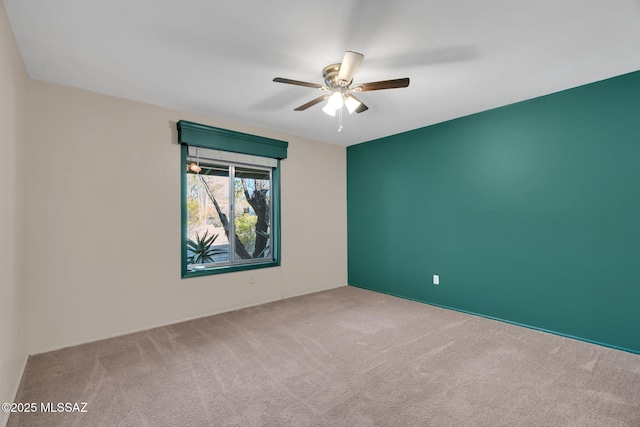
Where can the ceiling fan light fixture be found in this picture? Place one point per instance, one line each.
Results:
(336, 101)
(351, 103)
(328, 109)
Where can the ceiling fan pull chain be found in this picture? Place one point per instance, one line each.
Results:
(340, 120)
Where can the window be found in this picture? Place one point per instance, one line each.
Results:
(230, 200)
(223, 200)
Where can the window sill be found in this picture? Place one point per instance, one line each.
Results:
(228, 269)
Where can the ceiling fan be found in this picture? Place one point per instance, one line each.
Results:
(338, 79)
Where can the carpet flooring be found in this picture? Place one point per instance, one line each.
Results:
(343, 357)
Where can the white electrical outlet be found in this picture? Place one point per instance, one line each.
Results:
(252, 279)
(436, 279)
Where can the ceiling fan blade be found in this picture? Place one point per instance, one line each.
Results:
(312, 103)
(350, 64)
(360, 108)
(297, 82)
(386, 84)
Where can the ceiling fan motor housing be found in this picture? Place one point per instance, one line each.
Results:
(330, 74)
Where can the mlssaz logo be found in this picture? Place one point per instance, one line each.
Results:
(63, 407)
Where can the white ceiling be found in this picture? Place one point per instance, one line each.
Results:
(218, 58)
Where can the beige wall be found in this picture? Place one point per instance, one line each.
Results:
(104, 221)
(13, 213)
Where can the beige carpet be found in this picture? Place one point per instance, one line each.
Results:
(345, 357)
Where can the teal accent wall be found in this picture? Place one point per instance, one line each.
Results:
(529, 213)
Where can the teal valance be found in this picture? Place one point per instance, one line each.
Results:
(197, 135)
